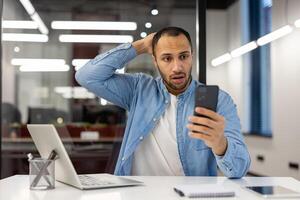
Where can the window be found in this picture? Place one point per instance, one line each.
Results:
(260, 24)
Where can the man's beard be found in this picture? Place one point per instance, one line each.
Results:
(174, 87)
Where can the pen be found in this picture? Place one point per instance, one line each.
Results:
(30, 157)
(41, 172)
(179, 192)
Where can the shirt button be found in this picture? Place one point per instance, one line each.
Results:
(123, 159)
(154, 119)
(166, 101)
(141, 138)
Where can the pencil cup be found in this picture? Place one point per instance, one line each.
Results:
(41, 174)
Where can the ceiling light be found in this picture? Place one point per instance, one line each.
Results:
(78, 63)
(221, 59)
(297, 23)
(19, 24)
(24, 37)
(41, 68)
(148, 25)
(74, 92)
(95, 38)
(274, 35)
(37, 62)
(17, 49)
(28, 6)
(243, 49)
(154, 12)
(143, 34)
(42, 27)
(93, 25)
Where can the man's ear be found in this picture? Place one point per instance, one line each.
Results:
(154, 60)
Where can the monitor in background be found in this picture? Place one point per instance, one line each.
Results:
(40, 115)
(108, 114)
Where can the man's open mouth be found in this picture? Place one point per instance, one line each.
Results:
(178, 79)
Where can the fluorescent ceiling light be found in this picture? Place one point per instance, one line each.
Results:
(78, 63)
(19, 24)
(24, 37)
(297, 23)
(243, 49)
(274, 35)
(154, 12)
(221, 59)
(95, 38)
(74, 92)
(93, 25)
(37, 62)
(42, 27)
(41, 68)
(28, 6)
(34, 16)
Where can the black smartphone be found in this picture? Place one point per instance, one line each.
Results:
(206, 96)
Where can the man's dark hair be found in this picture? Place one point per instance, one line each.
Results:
(170, 31)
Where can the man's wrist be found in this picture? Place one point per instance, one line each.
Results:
(139, 47)
(220, 150)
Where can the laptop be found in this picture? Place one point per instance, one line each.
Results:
(47, 139)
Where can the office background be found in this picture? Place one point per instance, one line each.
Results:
(263, 80)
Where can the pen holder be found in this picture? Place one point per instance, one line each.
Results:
(41, 174)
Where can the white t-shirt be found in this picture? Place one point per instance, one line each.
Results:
(157, 155)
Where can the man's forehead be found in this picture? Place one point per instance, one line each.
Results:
(173, 44)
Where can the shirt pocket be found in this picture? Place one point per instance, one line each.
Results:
(198, 145)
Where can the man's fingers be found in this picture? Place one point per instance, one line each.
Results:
(199, 128)
(209, 113)
(200, 136)
(202, 121)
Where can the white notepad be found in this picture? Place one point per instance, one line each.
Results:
(204, 190)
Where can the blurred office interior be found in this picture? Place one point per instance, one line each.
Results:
(251, 51)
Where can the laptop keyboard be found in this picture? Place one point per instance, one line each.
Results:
(92, 181)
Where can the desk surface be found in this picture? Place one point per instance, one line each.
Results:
(155, 188)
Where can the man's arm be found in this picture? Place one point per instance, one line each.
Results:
(222, 133)
(99, 76)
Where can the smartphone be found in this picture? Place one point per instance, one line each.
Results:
(206, 96)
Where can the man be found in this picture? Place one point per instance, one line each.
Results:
(161, 137)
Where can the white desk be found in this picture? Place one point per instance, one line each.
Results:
(156, 188)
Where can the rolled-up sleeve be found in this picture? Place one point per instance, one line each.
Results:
(99, 76)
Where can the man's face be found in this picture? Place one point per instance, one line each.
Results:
(173, 58)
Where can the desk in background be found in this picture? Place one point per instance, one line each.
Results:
(155, 188)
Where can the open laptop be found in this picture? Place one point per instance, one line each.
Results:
(47, 139)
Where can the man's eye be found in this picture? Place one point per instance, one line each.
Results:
(183, 57)
(166, 59)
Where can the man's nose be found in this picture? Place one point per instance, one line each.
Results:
(177, 65)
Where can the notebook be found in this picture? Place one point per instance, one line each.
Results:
(204, 190)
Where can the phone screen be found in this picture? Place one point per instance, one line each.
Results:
(206, 96)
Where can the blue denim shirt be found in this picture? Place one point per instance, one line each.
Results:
(146, 99)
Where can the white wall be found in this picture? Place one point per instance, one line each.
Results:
(224, 34)
(285, 79)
